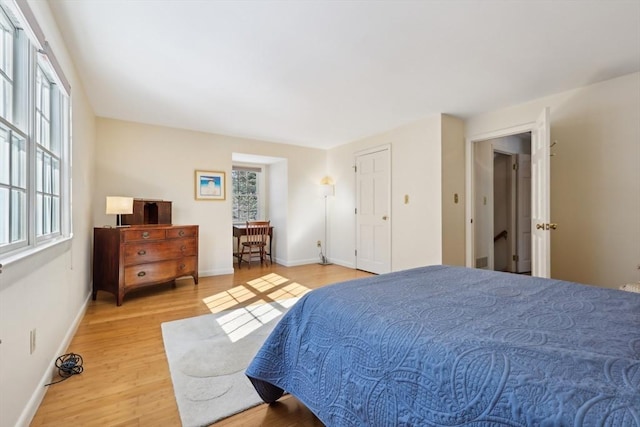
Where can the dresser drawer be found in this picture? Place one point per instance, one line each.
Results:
(137, 253)
(136, 234)
(178, 232)
(158, 272)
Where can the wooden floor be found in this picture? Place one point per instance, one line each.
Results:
(126, 380)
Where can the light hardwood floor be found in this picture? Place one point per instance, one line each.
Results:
(126, 380)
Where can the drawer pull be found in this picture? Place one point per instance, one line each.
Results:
(181, 233)
(183, 248)
(142, 274)
(142, 252)
(145, 234)
(182, 266)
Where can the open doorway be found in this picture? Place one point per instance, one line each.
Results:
(502, 189)
(479, 200)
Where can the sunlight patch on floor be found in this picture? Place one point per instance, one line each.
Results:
(228, 299)
(288, 293)
(267, 282)
(267, 288)
(239, 323)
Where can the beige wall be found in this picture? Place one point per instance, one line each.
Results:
(595, 177)
(453, 183)
(48, 291)
(145, 161)
(416, 172)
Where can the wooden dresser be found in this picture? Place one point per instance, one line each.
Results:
(128, 258)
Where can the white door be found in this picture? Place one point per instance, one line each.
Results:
(373, 211)
(540, 190)
(523, 209)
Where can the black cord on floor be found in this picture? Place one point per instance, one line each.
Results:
(68, 365)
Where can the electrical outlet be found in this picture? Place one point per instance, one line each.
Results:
(32, 341)
(319, 243)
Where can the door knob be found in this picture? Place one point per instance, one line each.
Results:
(385, 217)
(553, 226)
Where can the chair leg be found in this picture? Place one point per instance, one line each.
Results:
(241, 258)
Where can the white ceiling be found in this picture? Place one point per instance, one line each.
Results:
(323, 73)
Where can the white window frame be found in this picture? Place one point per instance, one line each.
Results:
(32, 56)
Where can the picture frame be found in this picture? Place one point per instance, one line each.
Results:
(210, 185)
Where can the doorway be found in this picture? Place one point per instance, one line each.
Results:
(479, 168)
(502, 205)
(512, 208)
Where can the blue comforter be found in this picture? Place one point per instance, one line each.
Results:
(445, 346)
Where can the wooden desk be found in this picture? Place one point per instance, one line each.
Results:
(241, 230)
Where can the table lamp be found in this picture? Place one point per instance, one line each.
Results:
(119, 206)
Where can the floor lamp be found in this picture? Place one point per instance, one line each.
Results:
(327, 190)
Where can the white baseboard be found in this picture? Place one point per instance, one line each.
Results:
(38, 394)
(215, 272)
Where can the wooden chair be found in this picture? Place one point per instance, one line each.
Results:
(255, 241)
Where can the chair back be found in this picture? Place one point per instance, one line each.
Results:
(257, 232)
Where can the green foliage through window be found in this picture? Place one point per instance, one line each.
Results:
(246, 194)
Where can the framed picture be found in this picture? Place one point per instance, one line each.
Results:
(210, 185)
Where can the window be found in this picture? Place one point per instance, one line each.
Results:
(6, 66)
(248, 193)
(34, 139)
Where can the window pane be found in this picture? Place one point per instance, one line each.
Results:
(6, 46)
(18, 162)
(18, 215)
(43, 109)
(6, 67)
(46, 173)
(55, 177)
(39, 214)
(4, 216)
(45, 106)
(46, 133)
(6, 104)
(46, 215)
(39, 168)
(5, 159)
(55, 214)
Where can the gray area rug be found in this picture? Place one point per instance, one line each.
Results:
(207, 358)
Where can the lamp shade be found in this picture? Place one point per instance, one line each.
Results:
(327, 180)
(326, 186)
(326, 190)
(117, 205)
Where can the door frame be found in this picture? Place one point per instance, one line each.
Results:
(469, 180)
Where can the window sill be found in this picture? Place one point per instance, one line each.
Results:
(13, 258)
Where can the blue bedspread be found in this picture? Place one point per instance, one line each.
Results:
(445, 346)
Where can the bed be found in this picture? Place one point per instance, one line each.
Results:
(444, 346)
